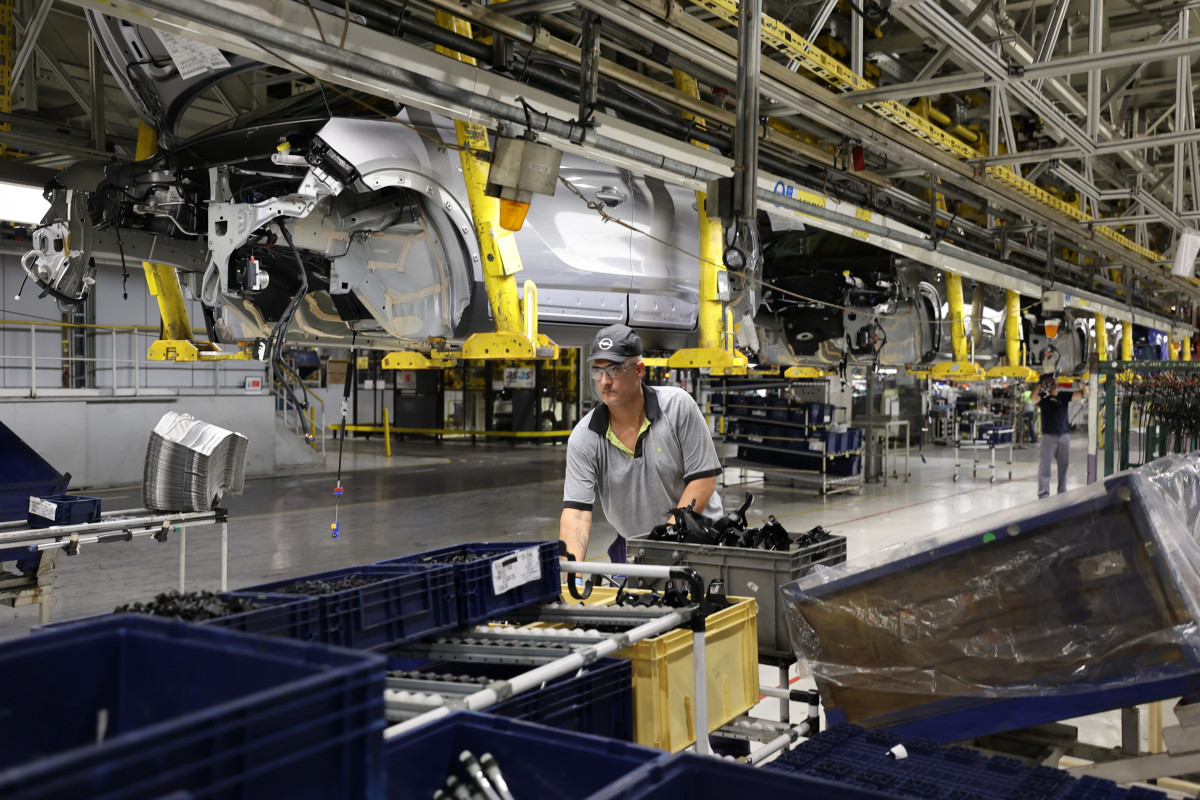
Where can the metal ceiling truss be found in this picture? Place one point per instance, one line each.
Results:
(839, 103)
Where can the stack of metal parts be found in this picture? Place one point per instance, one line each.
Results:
(191, 464)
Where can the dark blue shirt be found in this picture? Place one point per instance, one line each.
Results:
(1054, 413)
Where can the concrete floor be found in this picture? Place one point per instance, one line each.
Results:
(428, 495)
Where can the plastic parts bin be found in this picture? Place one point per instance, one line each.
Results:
(503, 578)
(687, 776)
(24, 474)
(850, 755)
(748, 573)
(62, 509)
(406, 602)
(135, 707)
(663, 674)
(286, 615)
(289, 616)
(537, 762)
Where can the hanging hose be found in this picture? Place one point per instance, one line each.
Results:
(274, 347)
(338, 491)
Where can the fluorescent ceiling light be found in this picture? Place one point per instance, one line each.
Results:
(22, 204)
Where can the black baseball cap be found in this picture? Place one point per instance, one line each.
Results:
(615, 343)
(1048, 378)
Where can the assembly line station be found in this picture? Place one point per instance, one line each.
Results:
(311, 310)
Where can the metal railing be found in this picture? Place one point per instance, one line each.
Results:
(286, 410)
(122, 371)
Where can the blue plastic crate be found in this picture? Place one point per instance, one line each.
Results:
(184, 708)
(1040, 555)
(847, 754)
(287, 615)
(599, 701)
(845, 465)
(407, 602)
(474, 581)
(62, 509)
(537, 762)
(24, 474)
(856, 438)
(686, 776)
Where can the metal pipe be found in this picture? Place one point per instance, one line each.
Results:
(529, 680)
(36, 23)
(780, 742)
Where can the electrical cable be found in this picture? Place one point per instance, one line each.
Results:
(338, 491)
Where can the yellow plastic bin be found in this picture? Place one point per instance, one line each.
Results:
(663, 686)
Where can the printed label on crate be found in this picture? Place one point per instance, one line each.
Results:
(42, 508)
(516, 570)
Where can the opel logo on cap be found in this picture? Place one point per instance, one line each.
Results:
(605, 343)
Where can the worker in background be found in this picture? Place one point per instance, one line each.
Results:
(1028, 407)
(642, 452)
(1056, 432)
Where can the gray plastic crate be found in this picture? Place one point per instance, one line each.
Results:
(747, 573)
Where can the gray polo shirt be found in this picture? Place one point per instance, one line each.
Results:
(637, 493)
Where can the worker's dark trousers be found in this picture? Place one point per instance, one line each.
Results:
(1054, 447)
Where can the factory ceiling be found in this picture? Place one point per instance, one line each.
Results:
(1053, 142)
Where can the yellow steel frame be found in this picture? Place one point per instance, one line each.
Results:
(777, 35)
(806, 372)
(1126, 340)
(162, 280)
(501, 260)
(1012, 342)
(1101, 337)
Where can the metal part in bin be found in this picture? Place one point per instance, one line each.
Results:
(537, 762)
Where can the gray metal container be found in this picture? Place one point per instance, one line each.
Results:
(747, 573)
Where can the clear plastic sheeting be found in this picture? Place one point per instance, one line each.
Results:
(191, 464)
(1092, 592)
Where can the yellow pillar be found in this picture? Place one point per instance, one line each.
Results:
(1172, 350)
(161, 279)
(387, 433)
(958, 333)
(1187, 348)
(1126, 340)
(501, 261)
(1101, 338)
(712, 262)
(1012, 327)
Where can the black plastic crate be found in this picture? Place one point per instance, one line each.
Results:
(403, 602)
(137, 708)
(62, 509)
(526, 574)
(537, 762)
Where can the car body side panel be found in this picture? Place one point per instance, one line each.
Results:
(666, 265)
